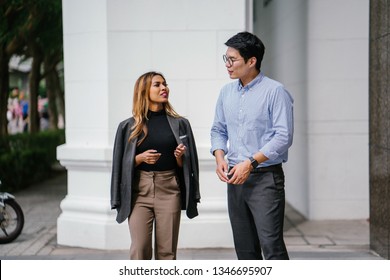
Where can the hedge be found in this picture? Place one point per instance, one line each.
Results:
(28, 158)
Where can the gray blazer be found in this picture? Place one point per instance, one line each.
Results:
(123, 168)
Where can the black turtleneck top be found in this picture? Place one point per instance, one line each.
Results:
(160, 137)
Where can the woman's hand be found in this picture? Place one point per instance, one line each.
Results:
(149, 157)
(179, 152)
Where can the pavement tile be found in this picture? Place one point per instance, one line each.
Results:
(320, 240)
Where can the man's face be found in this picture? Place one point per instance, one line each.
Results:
(235, 64)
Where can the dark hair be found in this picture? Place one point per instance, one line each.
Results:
(248, 45)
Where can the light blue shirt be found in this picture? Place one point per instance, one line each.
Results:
(257, 117)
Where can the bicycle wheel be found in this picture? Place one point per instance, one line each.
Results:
(11, 221)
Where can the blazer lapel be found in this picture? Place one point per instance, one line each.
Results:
(175, 125)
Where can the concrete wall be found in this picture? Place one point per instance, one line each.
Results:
(379, 129)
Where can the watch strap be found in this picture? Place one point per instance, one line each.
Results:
(254, 162)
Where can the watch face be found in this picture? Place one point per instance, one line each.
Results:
(254, 163)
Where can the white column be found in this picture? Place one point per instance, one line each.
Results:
(107, 46)
(285, 60)
(86, 219)
(338, 71)
(319, 50)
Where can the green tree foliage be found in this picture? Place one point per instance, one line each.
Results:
(32, 28)
(12, 18)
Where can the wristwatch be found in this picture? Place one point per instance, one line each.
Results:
(254, 162)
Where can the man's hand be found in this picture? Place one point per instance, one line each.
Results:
(222, 166)
(240, 173)
(222, 169)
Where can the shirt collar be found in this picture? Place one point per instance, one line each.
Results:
(252, 83)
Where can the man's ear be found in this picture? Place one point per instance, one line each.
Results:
(252, 61)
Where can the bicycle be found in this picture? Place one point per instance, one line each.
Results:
(11, 218)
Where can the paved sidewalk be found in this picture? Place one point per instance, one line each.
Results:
(306, 240)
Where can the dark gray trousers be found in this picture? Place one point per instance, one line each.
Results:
(256, 212)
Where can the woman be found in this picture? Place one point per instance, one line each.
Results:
(155, 170)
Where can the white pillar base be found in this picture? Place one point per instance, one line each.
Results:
(211, 229)
(87, 223)
(87, 220)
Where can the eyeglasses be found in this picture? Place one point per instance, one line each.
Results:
(230, 60)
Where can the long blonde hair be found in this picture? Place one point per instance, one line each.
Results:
(141, 105)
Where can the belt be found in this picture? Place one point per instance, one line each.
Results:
(271, 168)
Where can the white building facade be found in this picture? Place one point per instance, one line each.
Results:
(317, 48)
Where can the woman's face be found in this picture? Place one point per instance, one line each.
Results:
(158, 94)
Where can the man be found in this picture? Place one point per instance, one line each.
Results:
(253, 127)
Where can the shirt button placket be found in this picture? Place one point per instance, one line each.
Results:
(241, 122)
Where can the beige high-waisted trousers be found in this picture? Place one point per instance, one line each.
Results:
(156, 200)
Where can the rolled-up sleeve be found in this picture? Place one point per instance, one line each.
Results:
(219, 136)
(283, 125)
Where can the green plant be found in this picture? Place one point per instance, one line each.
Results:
(28, 158)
